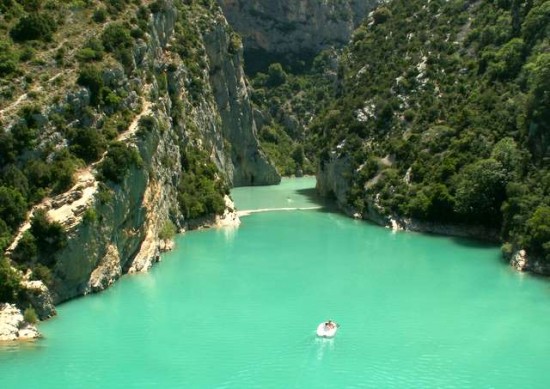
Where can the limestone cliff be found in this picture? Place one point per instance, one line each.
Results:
(249, 166)
(180, 104)
(301, 27)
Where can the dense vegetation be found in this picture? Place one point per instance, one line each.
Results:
(201, 188)
(444, 115)
(288, 100)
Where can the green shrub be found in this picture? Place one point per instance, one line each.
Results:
(115, 37)
(100, 15)
(9, 282)
(167, 231)
(50, 237)
(91, 77)
(35, 26)
(30, 316)
(9, 60)
(26, 250)
(42, 273)
(158, 6)
(90, 216)
(86, 54)
(116, 6)
(13, 207)
(104, 195)
(117, 162)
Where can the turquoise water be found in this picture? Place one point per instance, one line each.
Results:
(238, 308)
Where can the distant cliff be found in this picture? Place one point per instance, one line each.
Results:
(296, 29)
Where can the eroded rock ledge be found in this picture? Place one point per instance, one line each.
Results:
(13, 326)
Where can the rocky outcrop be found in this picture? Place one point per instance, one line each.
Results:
(39, 297)
(331, 181)
(13, 326)
(295, 26)
(523, 262)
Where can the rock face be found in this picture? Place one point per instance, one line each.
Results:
(522, 262)
(295, 26)
(13, 326)
(113, 228)
(38, 295)
(249, 166)
(331, 181)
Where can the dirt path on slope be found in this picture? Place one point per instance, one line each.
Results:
(68, 208)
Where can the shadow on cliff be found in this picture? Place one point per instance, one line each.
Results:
(327, 205)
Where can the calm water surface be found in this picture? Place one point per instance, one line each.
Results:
(238, 308)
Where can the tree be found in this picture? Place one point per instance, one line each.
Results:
(14, 178)
(481, 191)
(88, 144)
(50, 236)
(508, 60)
(538, 232)
(91, 78)
(275, 75)
(506, 152)
(116, 37)
(13, 207)
(298, 155)
(5, 235)
(167, 231)
(535, 25)
(9, 282)
(35, 26)
(381, 15)
(118, 161)
(538, 114)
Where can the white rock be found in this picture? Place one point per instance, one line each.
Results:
(13, 326)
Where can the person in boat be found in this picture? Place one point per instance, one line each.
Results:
(329, 325)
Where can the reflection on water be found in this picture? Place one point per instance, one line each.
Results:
(229, 233)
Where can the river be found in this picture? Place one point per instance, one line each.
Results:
(238, 308)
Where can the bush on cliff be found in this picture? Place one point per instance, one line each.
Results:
(118, 161)
(50, 237)
(35, 26)
(13, 207)
(88, 144)
(30, 315)
(9, 282)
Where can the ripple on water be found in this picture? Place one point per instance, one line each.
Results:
(240, 311)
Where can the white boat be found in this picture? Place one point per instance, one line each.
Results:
(327, 329)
